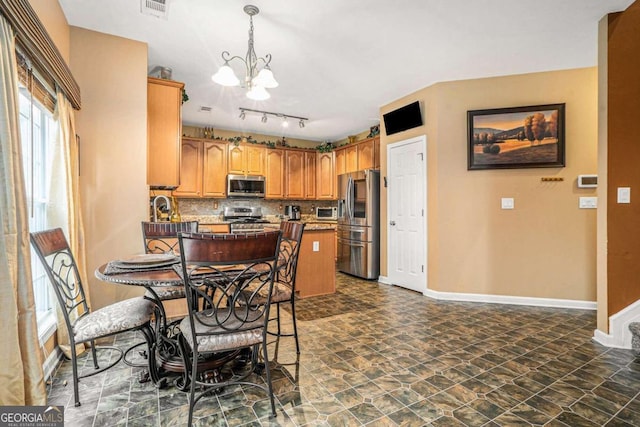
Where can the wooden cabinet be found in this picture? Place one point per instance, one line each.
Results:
(294, 184)
(341, 165)
(190, 170)
(366, 155)
(351, 158)
(246, 159)
(275, 176)
(325, 176)
(309, 175)
(316, 274)
(164, 127)
(214, 169)
(203, 169)
(214, 228)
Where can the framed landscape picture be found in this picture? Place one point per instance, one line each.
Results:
(520, 137)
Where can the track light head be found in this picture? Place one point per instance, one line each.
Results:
(301, 124)
(242, 114)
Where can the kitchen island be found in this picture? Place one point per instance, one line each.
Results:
(316, 273)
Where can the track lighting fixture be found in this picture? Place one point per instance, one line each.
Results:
(285, 117)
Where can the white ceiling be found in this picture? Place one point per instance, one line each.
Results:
(338, 61)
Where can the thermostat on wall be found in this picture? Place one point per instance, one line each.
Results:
(587, 181)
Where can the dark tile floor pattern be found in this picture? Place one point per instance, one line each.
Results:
(379, 355)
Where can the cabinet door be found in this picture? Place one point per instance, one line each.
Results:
(351, 159)
(376, 152)
(326, 176)
(255, 160)
(214, 169)
(236, 161)
(164, 127)
(274, 171)
(341, 162)
(190, 169)
(295, 175)
(366, 155)
(309, 175)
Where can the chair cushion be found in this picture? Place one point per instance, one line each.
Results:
(281, 293)
(246, 335)
(167, 292)
(112, 319)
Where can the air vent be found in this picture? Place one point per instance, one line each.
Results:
(157, 8)
(205, 109)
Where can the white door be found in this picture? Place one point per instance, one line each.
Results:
(407, 214)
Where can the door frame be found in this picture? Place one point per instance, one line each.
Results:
(422, 140)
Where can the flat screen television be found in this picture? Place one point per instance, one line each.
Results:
(403, 118)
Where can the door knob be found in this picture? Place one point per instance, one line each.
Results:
(392, 223)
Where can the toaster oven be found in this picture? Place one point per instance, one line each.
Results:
(326, 213)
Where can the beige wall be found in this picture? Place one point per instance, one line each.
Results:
(50, 14)
(112, 125)
(546, 246)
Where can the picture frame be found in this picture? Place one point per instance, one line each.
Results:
(516, 137)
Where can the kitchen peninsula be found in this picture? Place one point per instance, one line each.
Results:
(316, 273)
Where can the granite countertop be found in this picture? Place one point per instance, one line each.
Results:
(311, 222)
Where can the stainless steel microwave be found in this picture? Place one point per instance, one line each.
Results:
(327, 213)
(245, 186)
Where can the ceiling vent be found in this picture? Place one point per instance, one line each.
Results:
(205, 109)
(157, 8)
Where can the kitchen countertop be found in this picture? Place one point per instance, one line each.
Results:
(311, 222)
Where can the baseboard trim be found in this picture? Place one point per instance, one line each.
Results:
(619, 335)
(51, 363)
(503, 299)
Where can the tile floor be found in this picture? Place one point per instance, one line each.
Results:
(379, 355)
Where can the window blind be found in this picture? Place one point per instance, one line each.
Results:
(39, 86)
(33, 39)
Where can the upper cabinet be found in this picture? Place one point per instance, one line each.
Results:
(164, 100)
(310, 184)
(203, 168)
(325, 176)
(358, 156)
(246, 159)
(294, 186)
(274, 174)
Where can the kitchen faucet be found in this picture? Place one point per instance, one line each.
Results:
(155, 206)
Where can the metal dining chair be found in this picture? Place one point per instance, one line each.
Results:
(162, 237)
(284, 287)
(84, 325)
(216, 270)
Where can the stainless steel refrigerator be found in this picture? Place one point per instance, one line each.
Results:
(359, 223)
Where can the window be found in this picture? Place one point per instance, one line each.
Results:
(37, 133)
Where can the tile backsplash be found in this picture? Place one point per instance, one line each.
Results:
(200, 207)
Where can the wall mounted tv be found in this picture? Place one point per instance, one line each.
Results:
(403, 118)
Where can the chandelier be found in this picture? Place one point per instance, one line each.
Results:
(256, 82)
(285, 117)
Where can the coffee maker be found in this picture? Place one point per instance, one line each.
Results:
(293, 212)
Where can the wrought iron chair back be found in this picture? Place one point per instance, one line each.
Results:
(288, 253)
(217, 269)
(53, 250)
(84, 325)
(162, 237)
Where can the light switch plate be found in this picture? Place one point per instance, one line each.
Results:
(588, 202)
(508, 203)
(316, 246)
(624, 194)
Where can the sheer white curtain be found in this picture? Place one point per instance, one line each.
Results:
(64, 195)
(21, 372)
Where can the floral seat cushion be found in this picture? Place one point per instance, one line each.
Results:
(114, 318)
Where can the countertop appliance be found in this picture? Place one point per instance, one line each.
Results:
(293, 212)
(327, 213)
(245, 186)
(244, 219)
(359, 223)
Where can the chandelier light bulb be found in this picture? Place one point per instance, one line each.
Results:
(265, 78)
(258, 93)
(225, 76)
